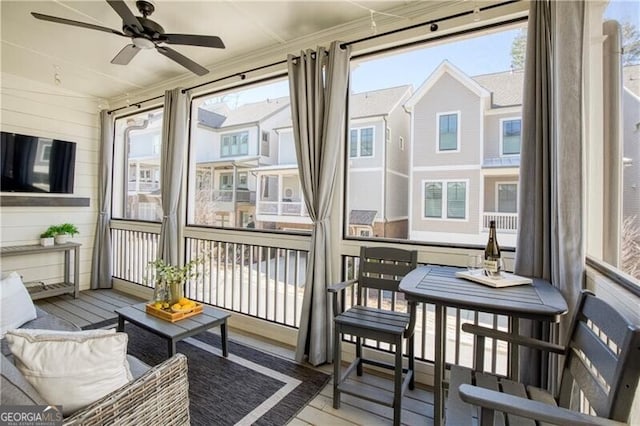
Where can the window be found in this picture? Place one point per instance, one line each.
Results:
(136, 175)
(226, 181)
(432, 178)
(433, 200)
(454, 198)
(507, 197)
(448, 132)
(264, 144)
(361, 142)
(46, 153)
(248, 122)
(511, 135)
(242, 180)
(234, 144)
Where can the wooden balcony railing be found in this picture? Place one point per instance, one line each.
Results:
(505, 222)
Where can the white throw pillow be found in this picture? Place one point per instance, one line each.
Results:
(71, 368)
(15, 303)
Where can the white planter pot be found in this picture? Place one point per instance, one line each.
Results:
(62, 239)
(47, 241)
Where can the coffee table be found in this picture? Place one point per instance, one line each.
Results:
(176, 331)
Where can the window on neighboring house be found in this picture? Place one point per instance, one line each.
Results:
(361, 142)
(264, 144)
(511, 135)
(433, 199)
(156, 144)
(242, 180)
(448, 132)
(401, 143)
(454, 198)
(145, 175)
(226, 181)
(235, 144)
(507, 197)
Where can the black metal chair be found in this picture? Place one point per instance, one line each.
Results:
(602, 360)
(381, 268)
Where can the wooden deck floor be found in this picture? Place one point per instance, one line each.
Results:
(96, 307)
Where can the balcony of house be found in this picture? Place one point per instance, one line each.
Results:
(231, 195)
(137, 186)
(505, 222)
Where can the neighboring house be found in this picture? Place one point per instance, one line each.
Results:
(143, 141)
(378, 148)
(228, 144)
(465, 156)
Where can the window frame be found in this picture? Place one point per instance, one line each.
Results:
(498, 195)
(502, 122)
(445, 200)
(458, 126)
(233, 136)
(359, 129)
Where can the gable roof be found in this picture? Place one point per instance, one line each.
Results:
(377, 102)
(245, 114)
(505, 87)
(446, 67)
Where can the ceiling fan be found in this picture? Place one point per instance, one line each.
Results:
(145, 34)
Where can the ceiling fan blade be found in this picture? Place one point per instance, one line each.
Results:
(126, 55)
(182, 60)
(125, 13)
(194, 40)
(75, 23)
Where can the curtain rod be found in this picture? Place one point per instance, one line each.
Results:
(243, 74)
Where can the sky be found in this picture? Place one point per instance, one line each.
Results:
(473, 55)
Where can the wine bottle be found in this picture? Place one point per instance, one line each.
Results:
(492, 252)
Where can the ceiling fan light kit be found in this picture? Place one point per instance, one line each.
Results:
(145, 34)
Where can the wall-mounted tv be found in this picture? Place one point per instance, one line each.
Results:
(35, 164)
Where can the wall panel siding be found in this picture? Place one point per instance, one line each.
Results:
(37, 109)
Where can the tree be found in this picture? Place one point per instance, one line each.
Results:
(518, 48)
(630, 44)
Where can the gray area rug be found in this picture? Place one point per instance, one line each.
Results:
(250, 387)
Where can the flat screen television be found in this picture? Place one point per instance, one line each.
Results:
(35, 164)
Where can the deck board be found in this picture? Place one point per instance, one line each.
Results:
(97, 306)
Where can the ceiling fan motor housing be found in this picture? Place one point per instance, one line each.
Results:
(145, 7)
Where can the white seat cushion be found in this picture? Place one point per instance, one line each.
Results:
(15, 303)
(71, 368)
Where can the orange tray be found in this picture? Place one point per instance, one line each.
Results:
(169, 315)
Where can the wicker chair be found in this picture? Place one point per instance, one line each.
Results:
(159, 397)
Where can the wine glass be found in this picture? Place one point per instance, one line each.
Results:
(474, 263)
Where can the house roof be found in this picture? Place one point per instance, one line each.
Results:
(631, 79)
(505, 87)
(245, 114)
(498, 162)
(362, 217)
(446, 67)
(377, 102)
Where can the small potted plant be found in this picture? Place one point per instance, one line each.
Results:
(47, 237)
(170, 279)
(64, 231)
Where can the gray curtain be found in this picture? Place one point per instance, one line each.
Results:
(101, 261)
(551, 211)
(318, 83)
(172, 158)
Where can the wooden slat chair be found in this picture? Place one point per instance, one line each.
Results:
(602, 361)
(381, 268)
